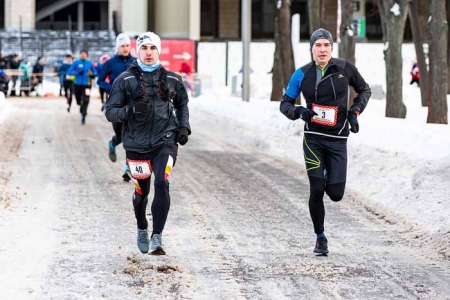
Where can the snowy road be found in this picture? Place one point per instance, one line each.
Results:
(239, 226)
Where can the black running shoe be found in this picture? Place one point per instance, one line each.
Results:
(126, 177)
(126, 174)
(321, 246)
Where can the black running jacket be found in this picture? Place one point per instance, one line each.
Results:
(167, 107)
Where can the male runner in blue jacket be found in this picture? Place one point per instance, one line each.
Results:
(110, 71)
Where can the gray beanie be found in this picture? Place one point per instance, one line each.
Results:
(320, 34)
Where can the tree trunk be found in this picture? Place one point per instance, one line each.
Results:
(347, 29)
(314, 14)
(284, 65)
(448, 47)
(437, 108)
(418, 36)
(277, 69)
(347, 43)
(430, 69)
(393, 18)
(284, 29)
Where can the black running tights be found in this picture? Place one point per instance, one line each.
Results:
(318, 187)
(117, 138)
(161, 200)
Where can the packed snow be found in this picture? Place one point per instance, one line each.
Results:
(397, 167)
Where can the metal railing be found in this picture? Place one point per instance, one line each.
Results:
(55, 45)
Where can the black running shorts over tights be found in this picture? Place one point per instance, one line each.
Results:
(325, 153)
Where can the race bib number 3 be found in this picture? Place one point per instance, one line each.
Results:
(326, 115)
(140, 169)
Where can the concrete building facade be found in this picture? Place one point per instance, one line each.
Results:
(177, 19)
(20, 13)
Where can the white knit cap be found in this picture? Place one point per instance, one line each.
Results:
(149, 38)
(122, 39)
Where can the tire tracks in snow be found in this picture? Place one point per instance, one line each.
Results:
(361, 258)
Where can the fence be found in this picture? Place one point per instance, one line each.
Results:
(55, 45)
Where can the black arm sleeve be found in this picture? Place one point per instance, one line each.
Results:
(288, 108)
(116, 106)
(181, 105)
(361, 88)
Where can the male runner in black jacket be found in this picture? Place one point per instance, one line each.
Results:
(325, 83)
(152, 103)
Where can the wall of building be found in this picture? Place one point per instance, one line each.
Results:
(134, 17)
(229, 19)
(194, 19)
(181, 18)
(172, 18)
(113, 5)
(20, 11)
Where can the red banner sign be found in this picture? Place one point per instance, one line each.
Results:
(174, 53)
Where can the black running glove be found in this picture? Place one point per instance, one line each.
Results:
(182, 136)
(136, 108)
(304, 113)
(353, 121)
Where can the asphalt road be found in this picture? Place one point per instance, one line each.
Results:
(239, 226)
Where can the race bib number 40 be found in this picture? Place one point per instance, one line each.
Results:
(326, 115)
(140, 169)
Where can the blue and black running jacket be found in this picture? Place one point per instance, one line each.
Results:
(328, 96)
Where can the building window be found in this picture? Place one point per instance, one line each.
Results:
(208, 19)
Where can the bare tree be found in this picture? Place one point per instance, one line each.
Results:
(277, 69)
(314, 14)
(437, 107)
(393, 18)
(284, 26)
(448, 47)
(285, 55)
(347, 36)
(347, 32)
(418, 25)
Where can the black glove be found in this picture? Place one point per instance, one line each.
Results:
(304, 113)
(136, 108)
(353, 121)
(182, 136)
(356, 109)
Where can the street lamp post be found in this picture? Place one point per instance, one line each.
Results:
(246, 38)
